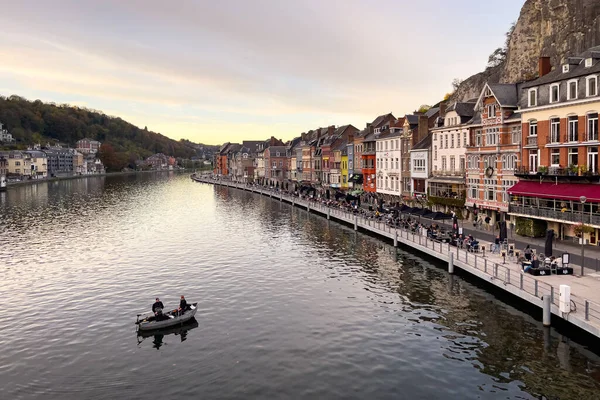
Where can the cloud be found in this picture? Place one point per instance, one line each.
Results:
(274, 63)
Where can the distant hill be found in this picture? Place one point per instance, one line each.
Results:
(37, 122)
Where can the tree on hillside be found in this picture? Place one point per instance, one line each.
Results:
(424, 108)
(498, 56)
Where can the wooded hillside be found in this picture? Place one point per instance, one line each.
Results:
(37, 122)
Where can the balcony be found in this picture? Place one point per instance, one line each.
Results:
(592, 136)
(455, 172)
(551, 213)
(553, 138)
(531, 141)
(558, 174)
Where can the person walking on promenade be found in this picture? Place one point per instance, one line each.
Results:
(527, 253)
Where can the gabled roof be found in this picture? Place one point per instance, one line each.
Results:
(576, 69)
(381, 120)
(505, 94)
(252, 145)
(413, 119)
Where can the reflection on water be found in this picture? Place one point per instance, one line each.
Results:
(158, 336)
(290, 305)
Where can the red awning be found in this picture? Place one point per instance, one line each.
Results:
(560, 191)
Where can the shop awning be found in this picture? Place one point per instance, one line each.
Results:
(356, 178)
(560, 191)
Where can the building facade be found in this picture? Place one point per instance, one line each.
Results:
(559, 158)
(493, 151)
(87, 146)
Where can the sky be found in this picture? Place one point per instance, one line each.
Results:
(233, 70)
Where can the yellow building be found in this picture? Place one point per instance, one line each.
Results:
(19, 164)
(344, 168)
(38, 163)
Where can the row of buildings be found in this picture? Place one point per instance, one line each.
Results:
(524, 151)
(52, 160)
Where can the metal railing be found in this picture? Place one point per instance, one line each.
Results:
(589, 310)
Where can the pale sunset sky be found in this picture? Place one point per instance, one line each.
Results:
(229, 70)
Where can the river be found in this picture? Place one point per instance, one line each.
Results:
(291, 306)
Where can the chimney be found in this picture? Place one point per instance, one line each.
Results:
(303, 136)
(443, 107)
(330, 130)
(350, 138)
(544, 66)
(422, 130)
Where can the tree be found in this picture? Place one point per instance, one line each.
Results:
(447, 96)
(424, 108)
(456, 82)
(498, 56)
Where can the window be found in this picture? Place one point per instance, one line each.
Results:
(555, 130)
(464, 139)
(397, 164)
(533, 128)
(573, 122)
(592, 125)
(419, 166)
(533, 161)
(458, 140)
(573, 156)
(491, 111)
(509, 162)
(444, 165)
(490, 193)
(478, 137)
(554, 93)
(446, 140)
(516, 134)
(435, 152)
(17, 163)
(280, 163)
(462, 164)
(555, 157)
(572, 92)
(386, 144)
(532, 98)
(274, 164)
(452, 163)
(452, 141)
(592, 159)
(491, 136)
(591, 87)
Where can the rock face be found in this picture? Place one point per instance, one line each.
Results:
(554, 28)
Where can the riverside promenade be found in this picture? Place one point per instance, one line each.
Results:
(505, 274)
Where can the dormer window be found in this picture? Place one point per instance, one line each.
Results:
(591, 86)
(532, 98)
(491, 110)
(572, 92)
(554, 93)
(565, 68)
(589, 62)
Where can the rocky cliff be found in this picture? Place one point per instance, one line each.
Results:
(553, 28)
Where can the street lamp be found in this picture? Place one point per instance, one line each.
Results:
(582, 199)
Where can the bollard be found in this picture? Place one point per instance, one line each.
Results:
(328, 213)
(547, 315)
(308, 206)
(451, 263)
(355, 223)
(396, 239)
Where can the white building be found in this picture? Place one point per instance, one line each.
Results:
(388, 163)
(420, 163)
(448, 150)
(5, 137)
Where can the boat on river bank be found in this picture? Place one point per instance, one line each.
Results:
(171, 318)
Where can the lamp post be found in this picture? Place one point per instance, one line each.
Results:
(582, 199)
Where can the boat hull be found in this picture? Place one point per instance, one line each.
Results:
(174, 319)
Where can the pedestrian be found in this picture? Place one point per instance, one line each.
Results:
(527, 253)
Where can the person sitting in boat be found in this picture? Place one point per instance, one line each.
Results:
(182, 305)
(157, 307)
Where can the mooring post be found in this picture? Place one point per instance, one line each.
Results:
(396, 238)
(547, 310)
(308, 206)
(328, 212)
(451, 263)
(355, 222)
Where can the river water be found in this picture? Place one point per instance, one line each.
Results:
(290, 306)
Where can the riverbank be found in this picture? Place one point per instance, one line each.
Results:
(503, 273)
(70, 177)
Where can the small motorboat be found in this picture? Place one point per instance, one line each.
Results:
(171, 330)
(171, 318)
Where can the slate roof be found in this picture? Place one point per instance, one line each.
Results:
(463, 109)
(412, 119)
(252, 145)
(431, 112)
(381, 119)
(577, 70)
(274, 149)
(425, 143)
(506, 94)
